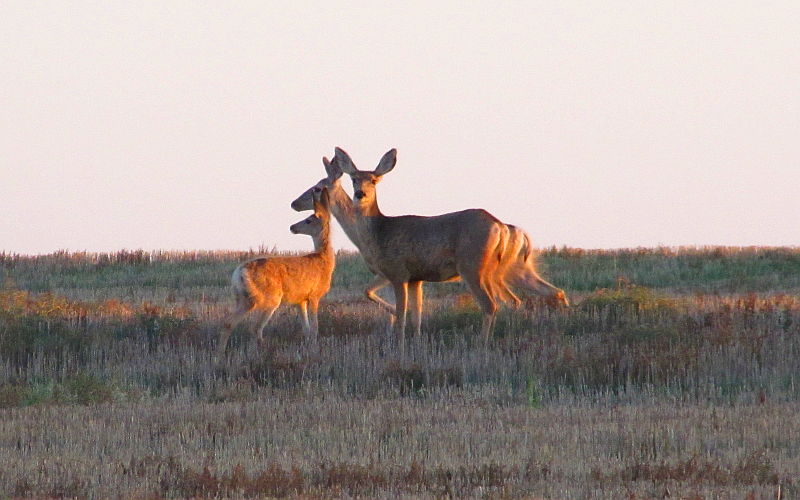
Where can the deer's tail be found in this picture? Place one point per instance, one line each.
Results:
(526, 252)
(242, 284)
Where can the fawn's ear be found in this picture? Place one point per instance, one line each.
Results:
(343, 161)
(321, 206)
(333, 170)
(387, 163)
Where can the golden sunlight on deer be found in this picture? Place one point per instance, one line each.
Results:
(262, 285)
(516, 268)
(410, 249)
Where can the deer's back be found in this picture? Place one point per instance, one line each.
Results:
(416, 247)
(295, 279)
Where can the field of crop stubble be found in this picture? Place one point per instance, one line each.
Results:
(675, 373)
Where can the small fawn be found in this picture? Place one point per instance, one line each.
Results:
(265, 283)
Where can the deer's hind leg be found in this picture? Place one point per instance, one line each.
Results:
(268, 310)
(482, 291)
(478, 272)
(376, 284)
(401, 303)
(415, 297)
(243, 307)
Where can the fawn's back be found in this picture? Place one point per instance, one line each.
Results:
(292, 280)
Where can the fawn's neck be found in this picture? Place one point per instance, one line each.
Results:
(322, 245)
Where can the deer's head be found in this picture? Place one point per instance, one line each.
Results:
(306, 200)
(558, 300)
(364, 181)
(316, 224)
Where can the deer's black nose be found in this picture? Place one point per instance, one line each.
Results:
(292, 229)
(359, 194)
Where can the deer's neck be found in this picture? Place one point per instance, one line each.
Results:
(342, 209)
(369, 223)
(368, 219)
(322, 242)
(370, 210)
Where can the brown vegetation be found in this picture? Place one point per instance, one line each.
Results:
(646, 388)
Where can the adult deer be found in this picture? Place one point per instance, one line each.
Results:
(517, 267)
(265, 283)
(341, 207)
(410, 249)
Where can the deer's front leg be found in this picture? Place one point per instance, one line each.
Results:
(304, 318)
(313, 306)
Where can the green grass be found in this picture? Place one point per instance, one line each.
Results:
(705, 269)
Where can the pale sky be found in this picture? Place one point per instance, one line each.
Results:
(193, 125)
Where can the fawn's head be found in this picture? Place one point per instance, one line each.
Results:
(318, 223)
(306, 200)
(364, 181)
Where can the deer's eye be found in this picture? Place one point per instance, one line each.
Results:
(317, 190)
(308, 221)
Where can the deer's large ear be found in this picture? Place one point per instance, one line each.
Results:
(343, 161)
(321, 207)
(333, 170)
(387, 163)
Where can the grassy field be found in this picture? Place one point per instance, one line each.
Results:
(676, 373)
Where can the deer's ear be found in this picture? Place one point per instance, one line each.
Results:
(387, 163)
(333, 170)
(321, 206)
(343, 161)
